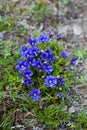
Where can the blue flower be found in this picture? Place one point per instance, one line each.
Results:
(50, 81)
(38, 64)
(31, 52)
(65, 54)
(47, 56)
(31, 61)
(22, 65)
(48, 51)
(51, 33)
(60, 81)
(35, 51)
(59, 95)
(59, 36)
(44, 56)
(28, 82)
(47, 68)
(27, 74)
(24, 50)
(35, 94)
(32, 41)
(43, 38)
(51, 58)
(73, 61)
(27, 53)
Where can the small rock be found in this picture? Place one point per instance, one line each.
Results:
(85, 27)
(75, 103)
(36, 128)
(1, 36)
(65, 108)
(23, 23)
(51, 6)
(69, 124)
(65, 29)
(77, 29)
(72, 109)
(85, 65)
(15, 0)
(81, 15)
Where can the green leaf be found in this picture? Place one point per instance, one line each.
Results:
(2, 94)
(67, 2)
(80, 53)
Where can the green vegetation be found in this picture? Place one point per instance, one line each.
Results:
(40, 11)
(67, 2)
(48, 111)
(81, 54)
(6, 24)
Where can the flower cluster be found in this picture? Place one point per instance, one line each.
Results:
(40, 62)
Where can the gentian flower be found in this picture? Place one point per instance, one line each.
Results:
(60, 81)
(35, 51)
(47, 56)
(24, 50)
(51, 33)
(65, 54)
(59, 36)
(43, 38)
(47, 68)
(51, 58)
(28, 82)
(38, 64)
(22, 65)
(31, 61)
(50, 81)
(32, 41)
(27, 74)
(27, 53)
(59, 95)
(73, 61)
(35, 94)
(48, 51)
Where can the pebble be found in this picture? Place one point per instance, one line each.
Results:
(77, 29)
(85, 65)
(75, 103)
(72, 109)
(15, 0)
(85, 27)
(23, 23)
(65, 108)
(36, 128)
(65, 29)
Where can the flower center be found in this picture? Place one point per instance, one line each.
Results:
(33, 43)
(22, 66)
(50, 81)
(26, 75)
(35, 94)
